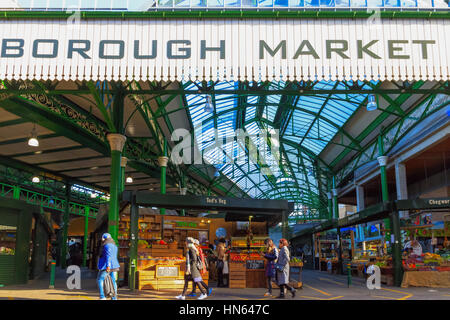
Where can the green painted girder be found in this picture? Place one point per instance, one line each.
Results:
(10, 162)
(393, 132)
(44, 200)
(402, 98)
(211, 13)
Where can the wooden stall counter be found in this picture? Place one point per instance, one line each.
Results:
(162, 269)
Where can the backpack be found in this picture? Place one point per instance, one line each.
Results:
(108, 287)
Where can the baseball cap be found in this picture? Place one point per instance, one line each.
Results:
(106, 236)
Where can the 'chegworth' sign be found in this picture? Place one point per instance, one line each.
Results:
(225, 49)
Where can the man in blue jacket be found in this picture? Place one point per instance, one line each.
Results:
(107, 263)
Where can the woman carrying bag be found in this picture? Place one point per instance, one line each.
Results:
(282, 267)
(193, 267)
(271, 255)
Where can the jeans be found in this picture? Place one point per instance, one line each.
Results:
(100, 278)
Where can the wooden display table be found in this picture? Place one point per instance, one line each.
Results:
(432, 279)
(162, 269)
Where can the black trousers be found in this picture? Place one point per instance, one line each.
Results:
(220, 277)
(282, 287)
(197, 284)
(188, 279)
(269, 284)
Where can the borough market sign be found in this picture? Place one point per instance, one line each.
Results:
(266, 49)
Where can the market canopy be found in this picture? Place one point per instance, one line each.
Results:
(154, 49)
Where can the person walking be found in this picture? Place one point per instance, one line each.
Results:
(271, 255)
(107, 263)
(220, 263)
(192, 272)
(282, 269)
(202, 272)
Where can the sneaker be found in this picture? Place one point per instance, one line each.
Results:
(209, 291)
(267, 294)
(202, 296)
(293, 293)
(180, 297)
(192, 294)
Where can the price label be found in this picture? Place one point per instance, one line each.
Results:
(167, 272)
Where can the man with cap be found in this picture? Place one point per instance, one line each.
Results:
(107, 263)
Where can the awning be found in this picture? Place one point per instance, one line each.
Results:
(219, 49)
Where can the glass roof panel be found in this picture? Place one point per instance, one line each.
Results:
(257, 167)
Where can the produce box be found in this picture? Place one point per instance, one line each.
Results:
(160, 246)
(239, 266)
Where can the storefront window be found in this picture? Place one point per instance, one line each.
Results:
(8, 240)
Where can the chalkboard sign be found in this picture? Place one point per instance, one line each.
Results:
(255, 264)
(167, 272)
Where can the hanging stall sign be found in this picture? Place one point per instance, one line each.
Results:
(232, 49)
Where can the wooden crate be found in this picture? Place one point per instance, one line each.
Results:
(160, 246)
(147, 284)
(147, 274)
(256, 279)
(387, 279)
(237, 284)
(156, 252)
(236, 267)
(237, 275)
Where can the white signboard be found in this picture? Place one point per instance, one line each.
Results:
(225, 49)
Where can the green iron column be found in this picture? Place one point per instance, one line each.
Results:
(183, 191)
(382, 160)
(117, 142)
(397, 249)
(134, 233)
(162, 161)
(86, 230)
(392, 224)
(16, 192)
(335, 200)
(65, 229)
(330, 202)
(123, 165)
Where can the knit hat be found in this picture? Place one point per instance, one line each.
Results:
(189, 240)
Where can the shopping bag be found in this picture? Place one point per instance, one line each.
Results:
(108, 286)
(225, 267)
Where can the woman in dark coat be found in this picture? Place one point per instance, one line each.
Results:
(282, 267)
(271, 256)
(192, 272)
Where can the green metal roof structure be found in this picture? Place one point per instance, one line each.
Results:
(314, 121)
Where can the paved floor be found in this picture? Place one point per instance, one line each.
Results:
(316, 286)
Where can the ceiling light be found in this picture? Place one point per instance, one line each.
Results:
(35, 180)
(129, 180)
(33, 141)
(371, 103)
(93, 195)
(94, 168)
(209, 221)
(38, 152)
(209, 106)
